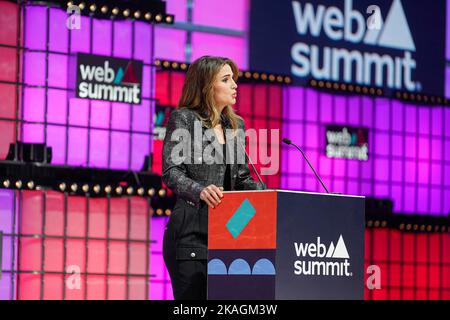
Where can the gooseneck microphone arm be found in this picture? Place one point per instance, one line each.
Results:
(289, 142)
(254, 169)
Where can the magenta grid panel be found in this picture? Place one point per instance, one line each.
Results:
(84, 132)
(409, 149)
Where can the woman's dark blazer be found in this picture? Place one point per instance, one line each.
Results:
(187, 180)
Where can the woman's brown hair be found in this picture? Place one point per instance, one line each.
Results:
(198, 90)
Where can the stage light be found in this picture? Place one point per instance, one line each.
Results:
(255, 75)
(18, 184)
(358, 89)
(168, 212)
(372, 91)
(151, 192)
(343, 86)
(379, 92)
(166, 64)
(402, 226)
(328, 85)
(137, 14)
(148, 16)
(422, 227)
(6, 183)
(443, 228)
(287, 80)
(69, 4)
(126, 12)
(240, 74)
(377, 224)
(264, 76)
(158, 18)
(280, 79)
(247, 75)
(364, 90)
(96, 188)
(104, 9)
(169, 19)
(429, 228)
(115, 11)
(159, 212)
(93, 7)
(74, 187)
(157, 62)
(321, 84)
(271, 77)
(130, 190)
(62, 186)
(85, 188)
(384, 223)
(82, 5)
(183, 66)
(30, 184)
(174, 65)
(369, 223)
(108, 189)
(436, 228)
(408, 226)
(162, 192)
(119, 190)
(313, 83)
(141, 191)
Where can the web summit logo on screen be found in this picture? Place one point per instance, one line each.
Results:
(315, 259)
(109, 79)
(392, 70)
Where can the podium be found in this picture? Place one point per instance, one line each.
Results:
(280, 244)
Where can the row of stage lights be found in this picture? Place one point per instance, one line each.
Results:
(96, 189)
(86, 188)
(409, 226)
(123, 13)
(351, 88)
(247, 75)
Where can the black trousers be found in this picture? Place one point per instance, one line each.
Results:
(185, 251)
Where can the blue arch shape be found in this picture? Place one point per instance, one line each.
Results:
(263, 267)
(216, 266)
(239, 266)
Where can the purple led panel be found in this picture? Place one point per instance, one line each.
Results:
(232, 47)
(160, 286)
(9, 250)
(409, 149)
(84, 132)
(232, 14)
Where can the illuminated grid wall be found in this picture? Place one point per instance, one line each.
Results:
(109, 242)
(414, 266)
(9, 76)
(84, 132)
(409, 149)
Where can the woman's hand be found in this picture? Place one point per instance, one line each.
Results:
(212, 195)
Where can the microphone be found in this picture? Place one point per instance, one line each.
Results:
(254, 169)
(289, 142)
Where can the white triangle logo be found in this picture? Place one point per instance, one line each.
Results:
(341, 249)
(373, 34)
(396, 33)
(330, 251)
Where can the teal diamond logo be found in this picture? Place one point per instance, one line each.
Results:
(240, 218)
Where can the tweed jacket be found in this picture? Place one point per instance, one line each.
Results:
(189, 178)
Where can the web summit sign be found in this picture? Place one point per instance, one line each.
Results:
(108, 79)
(391, 44)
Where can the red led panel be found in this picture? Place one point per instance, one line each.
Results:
(76, 216)
(117, 288)
(118, 218)
(53, 286)
(53, 255)
(54, 213)
(139, 218)
(30, 287)
(97, 256)
(96, 288)
(98, 217)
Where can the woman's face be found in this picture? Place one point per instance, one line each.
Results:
(225, 88)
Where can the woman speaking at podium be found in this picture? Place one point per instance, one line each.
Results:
(209, 91)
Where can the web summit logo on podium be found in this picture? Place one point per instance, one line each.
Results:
(318, 260)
